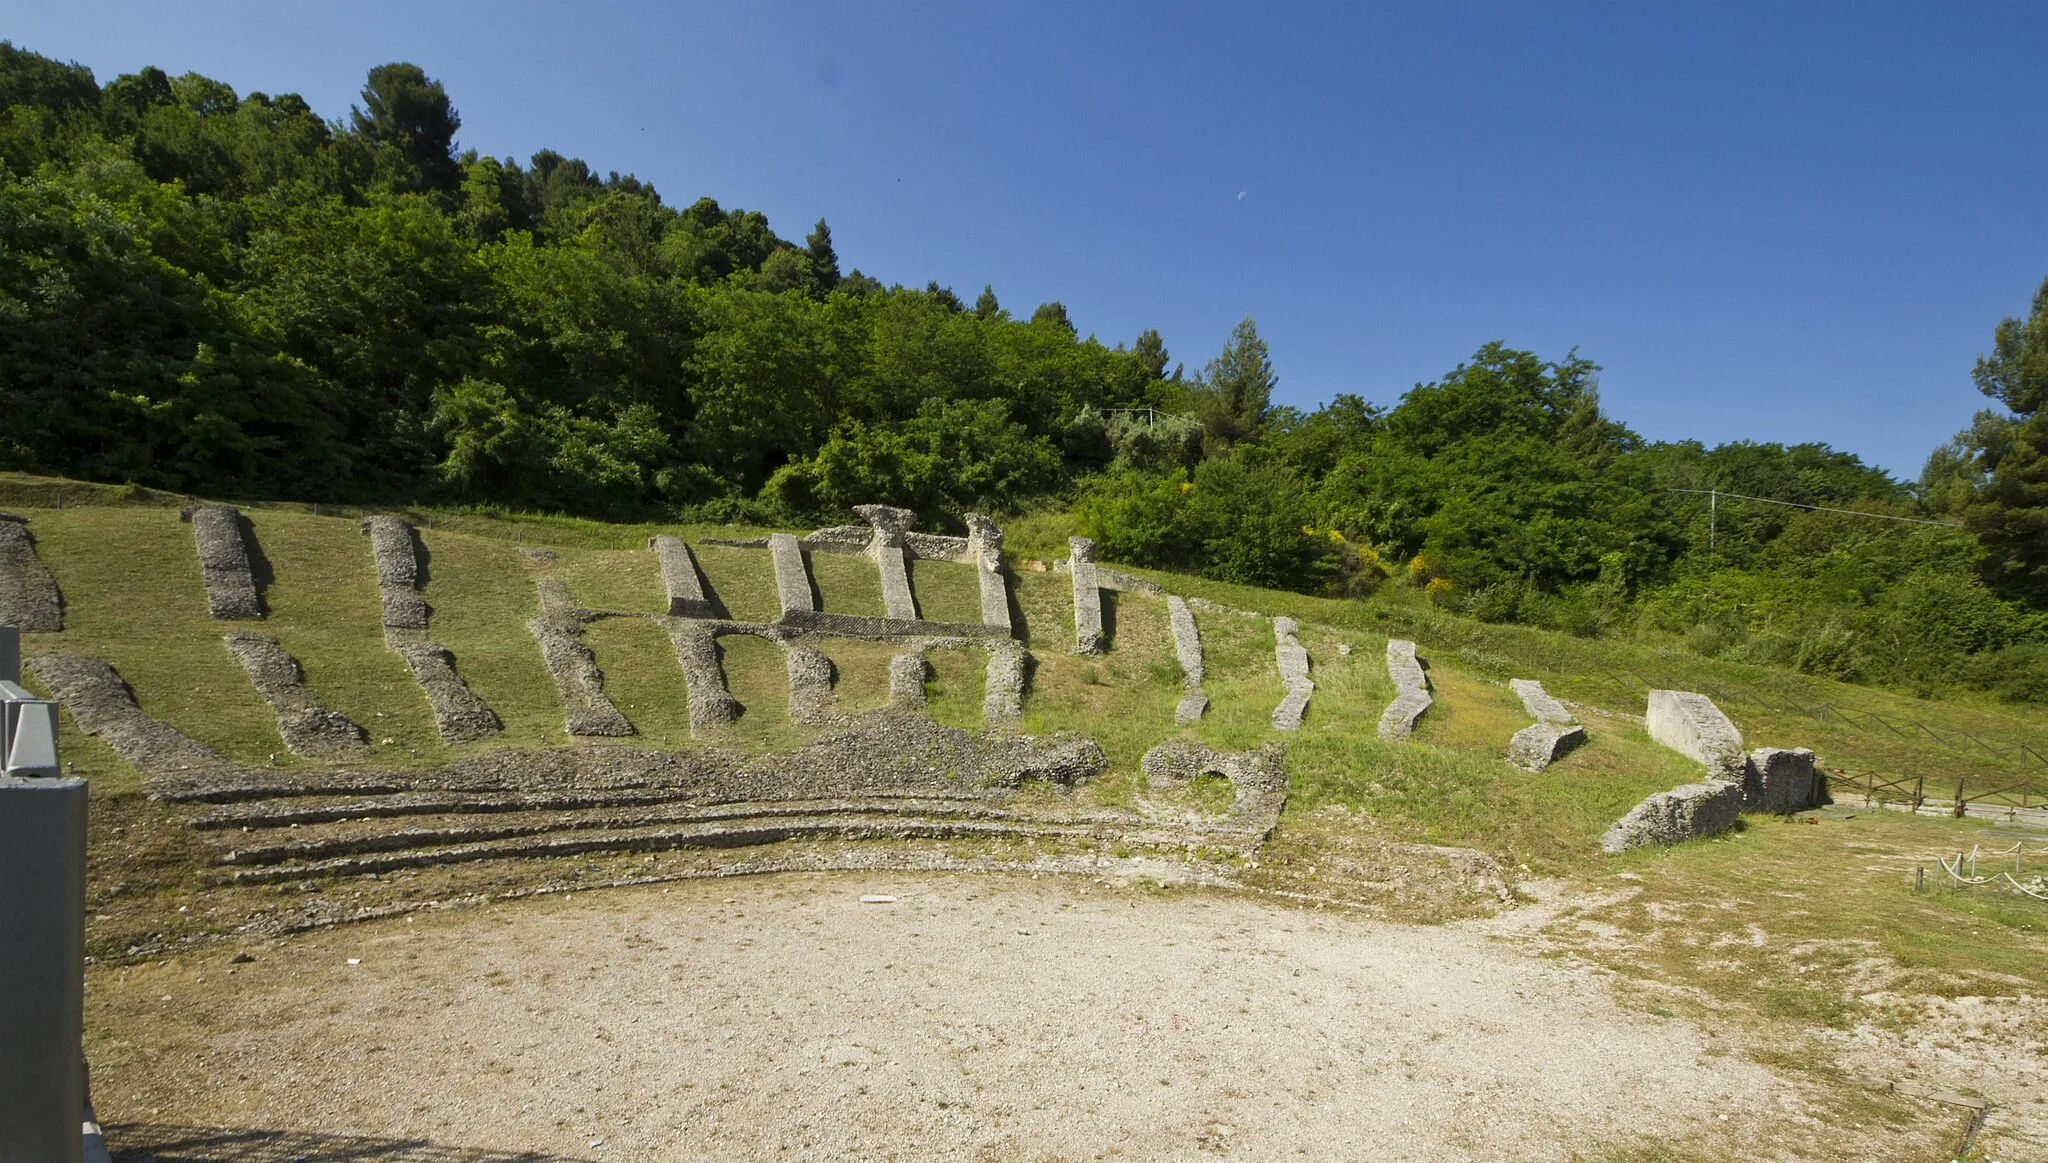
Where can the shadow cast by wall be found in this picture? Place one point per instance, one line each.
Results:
(160, 1143)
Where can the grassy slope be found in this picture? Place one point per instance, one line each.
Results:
(1830, 896)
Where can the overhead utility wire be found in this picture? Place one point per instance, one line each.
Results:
(1820, 508)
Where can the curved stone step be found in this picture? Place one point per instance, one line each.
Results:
(656, 839)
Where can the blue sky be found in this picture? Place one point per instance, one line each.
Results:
(1772, 222)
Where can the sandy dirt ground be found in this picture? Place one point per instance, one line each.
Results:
(975, 1017)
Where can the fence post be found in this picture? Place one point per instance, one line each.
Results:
(1919, 787)
(1959, 803)
(1869, 789)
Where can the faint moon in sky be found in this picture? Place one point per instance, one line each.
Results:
(1241, 194)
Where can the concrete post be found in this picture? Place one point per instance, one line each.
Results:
(42, 961)
(10, 654)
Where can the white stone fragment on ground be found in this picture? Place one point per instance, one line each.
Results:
(1550, 737)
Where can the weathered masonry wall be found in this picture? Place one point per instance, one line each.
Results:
(680, 579)
(985, 553)
(885, 549)
(28, 594)
(1087, 597)
(307, 727)
(224, 562)
(1292, 660)
(1002, 698)
(396, 553)
(1683, 813)
(1769, 780)
(1411, 691)
(696, 647)
(1550, 737)
(102, 705)
(459, 715)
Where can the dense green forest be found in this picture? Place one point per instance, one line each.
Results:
(228, 295)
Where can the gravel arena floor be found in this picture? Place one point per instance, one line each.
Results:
(975, 1017)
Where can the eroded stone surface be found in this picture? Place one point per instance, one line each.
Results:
(394, 548)
(307, 727)
(906, 679)
(1778, 780)
(1087, 597)
(810, 684)
(28, 594)
(1292, 659)
(1693, 726)
(1411, 691)
(1002, 699)
(679, 578)
(224, 562)
(1685, 812)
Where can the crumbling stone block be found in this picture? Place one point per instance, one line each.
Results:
(1087, 597)
(906, 680)
(1684, 813)
(224, 562)
(680, 579)
(307, 727)
(28, 594)
(1777, 780)
(1693, 726)
(1292, 659)
(1411, 691)
(558, 629)
(792, 577)
(394, 547)
(1544, 742)
(1256, 776)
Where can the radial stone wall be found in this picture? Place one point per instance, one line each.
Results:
(28, 594)
(224, 562)
(307, 727)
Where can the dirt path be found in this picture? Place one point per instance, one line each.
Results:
(975, 1018)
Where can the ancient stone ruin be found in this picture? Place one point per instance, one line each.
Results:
(1292, 659)
(680, 579)
(224, 562)
(1769, 780)
(1255, 776)
(459, 716)
(1411, 691)
(1187, 647)
(28, 594)
(396, 551)
(558, 629)
(308, 728)
(1550, 737)
(1087, 596)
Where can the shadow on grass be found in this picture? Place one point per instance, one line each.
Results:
(158, 1143)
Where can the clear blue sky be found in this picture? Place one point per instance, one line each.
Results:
(1766, 221)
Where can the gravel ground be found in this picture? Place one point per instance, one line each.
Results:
(975, 1017)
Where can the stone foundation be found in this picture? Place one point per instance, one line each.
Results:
(1256, 776)
(985, 553)
(459, 715)
(102, 705)
(792, 576)
(696, 647)
(1783, 781)
(558, 630)
(1002, 699)
(224, 562)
